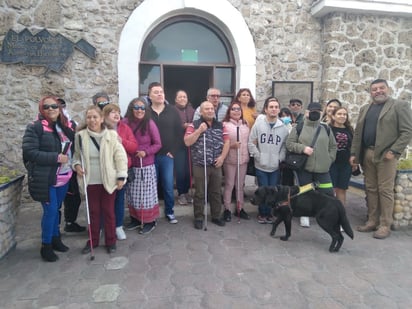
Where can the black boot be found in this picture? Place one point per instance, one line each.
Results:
(58, 245)
(47, 253)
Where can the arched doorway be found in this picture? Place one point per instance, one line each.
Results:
(188, 53)
(151, 13)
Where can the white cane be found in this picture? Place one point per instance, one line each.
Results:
(86, 199)
(205, 172)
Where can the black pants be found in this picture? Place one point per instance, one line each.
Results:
(72, 200)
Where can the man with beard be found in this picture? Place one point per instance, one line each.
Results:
(383, 130)
(209, 144)
(295, 107)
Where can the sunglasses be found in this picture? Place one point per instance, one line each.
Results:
(235, 109)
(137, 107)
(52, 106)
(103, 104)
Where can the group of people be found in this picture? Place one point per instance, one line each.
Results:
(157, 144)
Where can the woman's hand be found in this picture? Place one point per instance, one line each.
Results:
(140, 154)
(120, 184)
(79, 170)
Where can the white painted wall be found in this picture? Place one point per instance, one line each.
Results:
(152, 12)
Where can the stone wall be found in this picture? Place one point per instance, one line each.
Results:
(341, 53)
(402, 212)
(358, 49)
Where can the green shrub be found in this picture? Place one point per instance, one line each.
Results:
(7, 174)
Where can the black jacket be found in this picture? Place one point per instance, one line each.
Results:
(41, 147)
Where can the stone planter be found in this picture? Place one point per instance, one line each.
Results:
(402, 212)
(10, 194)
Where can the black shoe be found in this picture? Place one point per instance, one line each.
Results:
(227, 215)
(134, 224)
(198, 224)
(87, 248)
(147, 228)
(243, 214)
(47, 253)
(218, 222)
(58, 245)
(111, 248)
(73, 227)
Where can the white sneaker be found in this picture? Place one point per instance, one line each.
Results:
(171, 218)
(120, 234)
(304, 222)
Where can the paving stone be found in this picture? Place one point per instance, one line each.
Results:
(236, 266)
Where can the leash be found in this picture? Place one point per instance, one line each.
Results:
(302, 189)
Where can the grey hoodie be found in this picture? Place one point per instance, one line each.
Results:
(267, 144)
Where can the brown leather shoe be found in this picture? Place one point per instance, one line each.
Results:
(368, 227)
(382, 232)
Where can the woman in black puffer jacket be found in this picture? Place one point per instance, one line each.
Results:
(47, 154)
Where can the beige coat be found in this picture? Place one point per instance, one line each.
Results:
(393, 131)
(113, 158)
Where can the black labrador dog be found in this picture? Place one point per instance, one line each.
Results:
(285, 202)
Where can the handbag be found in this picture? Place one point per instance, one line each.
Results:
(130, 175)
(297, 161)
(251, 170)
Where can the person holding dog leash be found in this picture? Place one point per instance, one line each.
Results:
(320, 156)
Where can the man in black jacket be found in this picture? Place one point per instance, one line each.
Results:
(168, 122)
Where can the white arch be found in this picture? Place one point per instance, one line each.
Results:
(152, 12)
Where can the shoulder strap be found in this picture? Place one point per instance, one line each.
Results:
(299, 128)
(315, 137)
(95, 143)
(327, 127)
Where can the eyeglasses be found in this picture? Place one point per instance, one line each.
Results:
(52, 106)
(103, 104)
(214, 95)
(295, 104)
(235, 109)
(137, 107)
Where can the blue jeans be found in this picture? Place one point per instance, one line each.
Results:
(182, 170)
(119, 207)
(266, 179)
(51, 218)
(164, 173)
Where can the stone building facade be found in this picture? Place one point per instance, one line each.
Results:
(340, 50)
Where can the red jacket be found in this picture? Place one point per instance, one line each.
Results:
(128, 141)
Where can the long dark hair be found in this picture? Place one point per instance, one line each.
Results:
(347, 123)
(144, 124)
(252, 101)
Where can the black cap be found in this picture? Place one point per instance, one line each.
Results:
(315, 106)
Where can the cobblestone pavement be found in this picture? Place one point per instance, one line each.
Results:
(236, 266)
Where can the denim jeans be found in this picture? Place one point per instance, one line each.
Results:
(119, 207)
(51, 218)
(164, 172)
(182, 170)
(266, 179)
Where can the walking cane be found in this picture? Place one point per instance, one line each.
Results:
(141, 192)
(205, 172)
(86, 199)
(238, 176)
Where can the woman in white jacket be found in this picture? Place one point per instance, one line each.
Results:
(234, 123)
(267, 145)
(105, 167)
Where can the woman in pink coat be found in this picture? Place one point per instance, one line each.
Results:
(238, 130)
